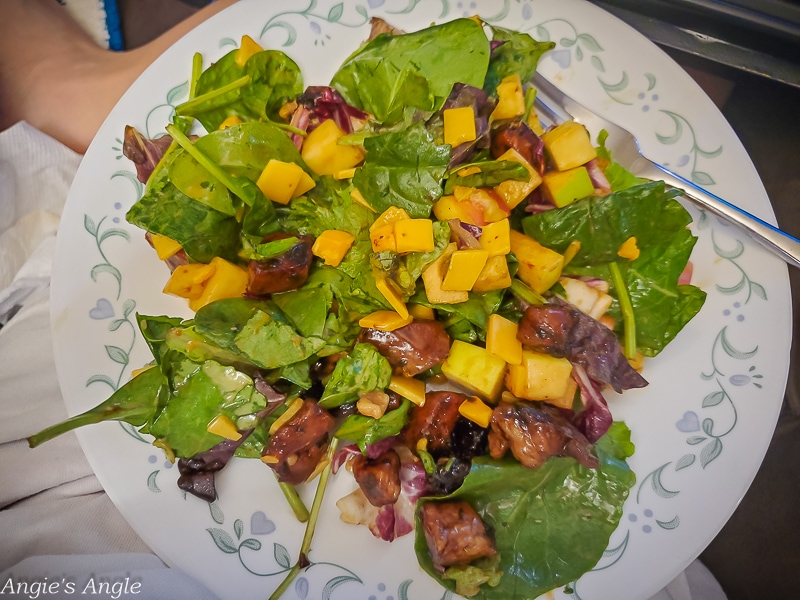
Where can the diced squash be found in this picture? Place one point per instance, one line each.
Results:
(390, 216)
(247, 48)
(279, 180)
(391, 295)
(565, 187)
(224, 427)
(464, 268)
(414, 235)
(408, 387)
(629, 249)
(540, 376)
(475, 369)
(494, 276)
(290, 411)
(539, 267)
(433, 275)
(383, 239)
(332, 245)
(420, 312)
(188, 281)
(496, 238)
(230, 122)
(569, 145)
(164, 246)
(501, 339)
(385, 320)
(228, 281)
(459, 125)
(476, 410)
(511, 191)
(323, 154)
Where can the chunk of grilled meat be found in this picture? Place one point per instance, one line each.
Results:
(455, 534)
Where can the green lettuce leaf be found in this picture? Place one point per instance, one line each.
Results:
(519, 55)
(365, 430)
(361, 371)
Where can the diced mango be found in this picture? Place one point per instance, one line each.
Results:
(476, 410)
(230, 122)
(534, 123)
(511, 191)
(447, 207)
(540, 376)
(324, 155)
(569, 145)
(279, 180)
(247, 48)
(228, 281)
(305, 184)
(188, 281)
(420, 312)
(408, 387)
(392, 296)
(358, 198)
(414, 235)
(510, 99)
(494, 276)
(489, 205)
(385, 320)
(332, 246)
(464, 268)
(565, 187)
(390, 216)
(459, 125)
(539, 267)
(224, 427)
(571, 251)
(629, 249)
(501, 339)
(496, 238)
(164, 246)
(475, 369)
(345, 173)
(433, 275)
(383, 239)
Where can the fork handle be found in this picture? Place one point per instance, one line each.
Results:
(776, 240)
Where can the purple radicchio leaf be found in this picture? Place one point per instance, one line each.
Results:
(197, 472)
(144, 153)
(595, 418)
(325, 103)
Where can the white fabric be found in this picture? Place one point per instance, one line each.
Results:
(50, 501)
(91, 16)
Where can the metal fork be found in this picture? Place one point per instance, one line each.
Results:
(558, 107)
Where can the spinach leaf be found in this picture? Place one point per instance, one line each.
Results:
(326, 206)
(361, 371)
(271, 343)
(550, 524)
(367, 430)
(518, 55)
(492, 172)
(619, 178)
(306, 308)
(404, 169)
(418, 70)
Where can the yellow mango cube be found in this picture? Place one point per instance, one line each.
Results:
(475, 369)
(228, 281)
(188, 281)
(247, 48)
(358, 198)
(539, 267)
(324, 155)
(392, 296)
(279, 180)
(511, 191)
(305, 184)
(224, 427)
(332, 245)
(421, 313)
(390, 216)
(164, 246)
(230, 122)
(464, 268)
(433, 275)
(494, 276)
(629, 249)
(477, 411)
(459, 125)
(383, 239)
(542, 377)
(385, 320)
(447, 207)
(569, 145)
(510, 99)
(408, 387)
(501, 339)
(496, 238)
(414, 235)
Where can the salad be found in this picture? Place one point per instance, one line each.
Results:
(405, 275)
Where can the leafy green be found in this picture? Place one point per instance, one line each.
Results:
(306, 308)
(550, 524)
(326, 206)
(271, 343)
(393, 72)
(619, 178)
(365, 430)
(403, 168)
(518, 55)
(492, 172)
(361, 371)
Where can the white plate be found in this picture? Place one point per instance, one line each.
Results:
(701, 428)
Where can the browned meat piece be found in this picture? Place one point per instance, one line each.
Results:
(298, 446)
(455, 534)
(519, 136)
(379, 478)
(434, 421)
(380, 26)
(534, 433)
(284, 272)
(412, 349)
(547, 329)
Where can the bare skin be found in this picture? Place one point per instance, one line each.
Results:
(54, 76)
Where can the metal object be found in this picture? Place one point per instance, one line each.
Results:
(558, 107)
